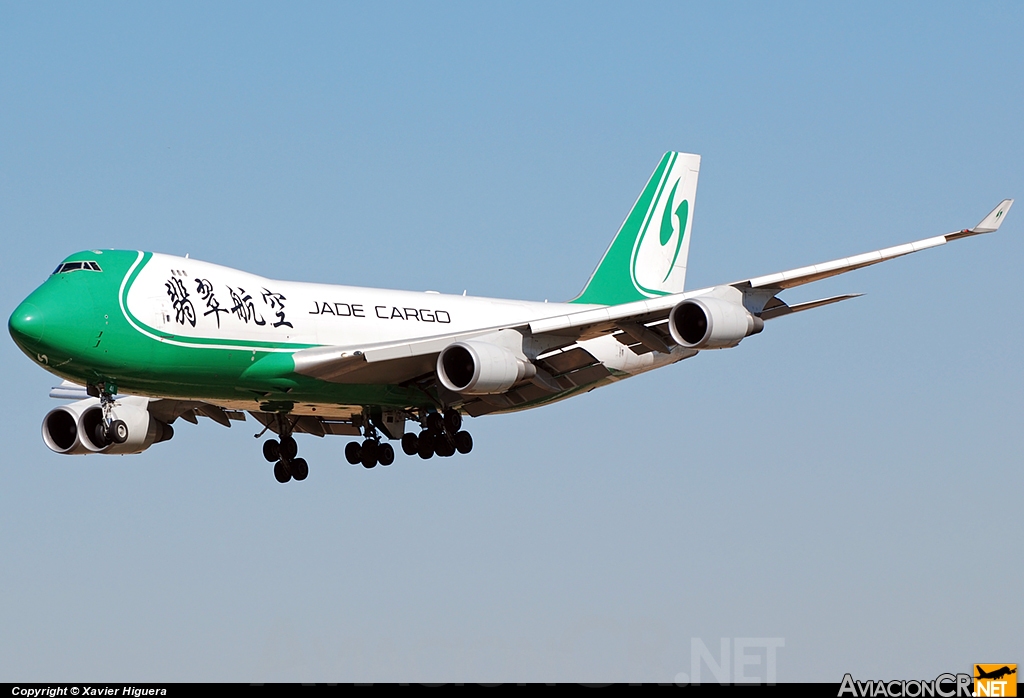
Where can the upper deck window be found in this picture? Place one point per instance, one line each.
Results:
(76, 266)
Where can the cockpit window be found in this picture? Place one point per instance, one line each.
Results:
(76, 266)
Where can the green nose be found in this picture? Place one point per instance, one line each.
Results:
(27, 324)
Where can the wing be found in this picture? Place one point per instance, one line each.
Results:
(640, 324)
(759, 292)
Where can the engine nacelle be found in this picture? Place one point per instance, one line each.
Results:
(60, 428)
(711, 323)
(71, 429)
(481, 368)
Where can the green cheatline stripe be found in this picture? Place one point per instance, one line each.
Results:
(205, 342)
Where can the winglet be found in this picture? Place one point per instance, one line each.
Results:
(988, 224)
(991, 222)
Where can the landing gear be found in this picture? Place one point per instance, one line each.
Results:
(117, 431)
(463, 442)
(452, 421)
(410, 444)
(271, 450)
(371, 451)
(425, 444)
(441, 435)
(282, 453)
(281, 472)
(368, 451)
(108, 430)
(299, 469)
(443, 446)
(353, 453)
(289, 449)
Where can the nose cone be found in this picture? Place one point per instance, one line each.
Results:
(27, 324)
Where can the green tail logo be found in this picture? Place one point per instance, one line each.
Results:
(667, 228)
(648, 256)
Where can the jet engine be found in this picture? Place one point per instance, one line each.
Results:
(481, 368)
(72, 429)
(711, 323)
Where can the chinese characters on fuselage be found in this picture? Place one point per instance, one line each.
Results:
(184, 311)
(242, 307)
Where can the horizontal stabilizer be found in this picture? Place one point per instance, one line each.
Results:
(776, 308)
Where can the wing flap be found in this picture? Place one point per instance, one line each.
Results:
(780, 308)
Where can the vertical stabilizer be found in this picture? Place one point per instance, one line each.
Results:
(647, 258)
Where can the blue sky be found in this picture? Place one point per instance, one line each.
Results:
(845, 480)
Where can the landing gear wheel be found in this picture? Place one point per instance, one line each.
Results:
(281, 472)
(443, 447)
(369, 453)
(410, 444)
(288, 448)
(463, 442)
(435, 422)
(353, 453)
(271, 450)
(299, 469)
(452, 421)
(118, 431)
(386, 454)
(425, 447)
(99, 436)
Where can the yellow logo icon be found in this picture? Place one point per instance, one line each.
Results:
(995, 680)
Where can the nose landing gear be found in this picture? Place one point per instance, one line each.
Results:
(108, 430)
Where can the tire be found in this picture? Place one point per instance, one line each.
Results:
(299, 469)
(444, 448)
(386, 454)
(426, 445)
(271, 450)
(463, 442)
(281, 472)
(288, 448)
(118, 431)
(369, 453)
(353, 453)
(452, 421)
(410, 444)
(435, 422)
(99, 436)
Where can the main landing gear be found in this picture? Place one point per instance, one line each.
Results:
(441, 435)
(283, 454)
(371, 451)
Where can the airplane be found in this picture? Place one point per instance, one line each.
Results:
(995, 674)
(142, 339)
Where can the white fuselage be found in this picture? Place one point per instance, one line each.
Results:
(196, 301)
